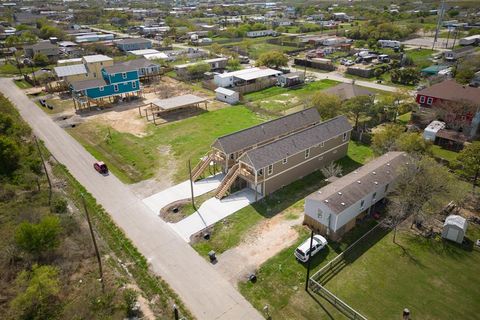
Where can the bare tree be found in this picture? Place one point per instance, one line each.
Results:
(332, 170)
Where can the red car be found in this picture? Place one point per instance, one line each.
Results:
(100, 167)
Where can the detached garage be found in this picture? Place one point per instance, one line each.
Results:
(227, 95)
(454, 228)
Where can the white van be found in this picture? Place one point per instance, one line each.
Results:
(319, 242)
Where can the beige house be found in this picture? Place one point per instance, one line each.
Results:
(86, 68)
(95, 64)
(278, 152)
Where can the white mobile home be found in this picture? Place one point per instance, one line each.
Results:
(261, 33)
(468, 41)
(335, 209)
(389, 43)
(430, 132)
(231, 79)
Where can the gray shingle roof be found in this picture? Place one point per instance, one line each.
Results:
(277, 150)
(140, 63)
(87, 84)
(382, 170)
(120, 67)
(347, 91)
(266, 131)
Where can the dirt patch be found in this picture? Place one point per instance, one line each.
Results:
(175, 211)
(267, 239)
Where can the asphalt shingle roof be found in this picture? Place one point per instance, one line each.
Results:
(452, 91)
(347, 91)
(266, 131)
(348, 190)
(277, 150)
(87, 84)
(119, 67)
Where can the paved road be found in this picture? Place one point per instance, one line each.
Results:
(204, 291)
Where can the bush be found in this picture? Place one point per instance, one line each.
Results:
(130, 299)
(38, 238)
(59, 205)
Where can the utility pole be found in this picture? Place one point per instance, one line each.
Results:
(191, 184)
(309, 261)
(99, 260)
(46, 173)
(439, 22)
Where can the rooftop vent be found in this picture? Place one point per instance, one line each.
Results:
(343, 203)
(374, 172)
(359, 181)
(375, 182)
(326, 200)
(388, 164)
(339, 193)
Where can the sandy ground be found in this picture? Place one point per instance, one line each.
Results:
(269, 238)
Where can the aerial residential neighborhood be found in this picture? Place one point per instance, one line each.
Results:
(240, 160)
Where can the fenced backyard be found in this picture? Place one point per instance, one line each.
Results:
(318, 281)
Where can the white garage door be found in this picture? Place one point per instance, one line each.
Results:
(452, 234)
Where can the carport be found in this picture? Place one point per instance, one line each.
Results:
(161, 106)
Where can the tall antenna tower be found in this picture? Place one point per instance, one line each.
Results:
(439, 23)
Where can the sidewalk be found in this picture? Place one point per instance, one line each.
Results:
(182, 191)
(212, 211)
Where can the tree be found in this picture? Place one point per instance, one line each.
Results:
(332, 170)
(272, 59)
(38, 293)
(9, 155)
(385, 139)
(469, 160)
(40, 59)
(408, 76)
(233, 65)
(358, 106)
(421, 189)
(198, 69)
(413, 143)
(48, 31)
(38, 238)
(328, 105)
(167, 42)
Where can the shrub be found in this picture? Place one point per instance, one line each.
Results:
(38, 238)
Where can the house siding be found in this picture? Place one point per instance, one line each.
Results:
(109, 90)
(298, 167)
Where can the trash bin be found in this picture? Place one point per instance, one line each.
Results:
(212, 256)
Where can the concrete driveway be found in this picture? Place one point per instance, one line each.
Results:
(212, 211)
(205, 292)
(182, 191)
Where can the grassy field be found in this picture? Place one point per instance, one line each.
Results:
(22, 84)
(134, 158)
(445, 154)
(278, 99)
(229, 232)
(421, 57)
(394, 278)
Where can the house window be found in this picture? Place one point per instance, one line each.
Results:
(345, 136)
(94, 74)
(124, 75)
(101, 88)
(134, 84)
(270, 169)
(429, 100)
(362, 203)
(307, 153)
(285, 160)
(260, 172)
(422, 99)
(115, 87)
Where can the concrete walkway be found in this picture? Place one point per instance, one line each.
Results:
(182, 191)
(204, 291)
(212, 211)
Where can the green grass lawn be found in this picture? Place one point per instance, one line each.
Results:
(433, 278)
(277, 99)
(421, 57)
(134, 158)
(8, 69)
(229, 232)
(22, 84)
(404, 119)
(445, 154)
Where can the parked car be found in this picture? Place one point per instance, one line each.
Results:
(100, 167)
(42, 102)
(319, 242)
(349, 63)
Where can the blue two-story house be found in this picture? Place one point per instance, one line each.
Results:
(118, 81)
(133, 44)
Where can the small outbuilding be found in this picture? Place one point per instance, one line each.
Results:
(227, 95)
(454, 228)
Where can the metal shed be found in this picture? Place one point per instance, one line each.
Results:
(454, 228)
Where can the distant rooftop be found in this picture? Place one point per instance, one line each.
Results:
(96, 58)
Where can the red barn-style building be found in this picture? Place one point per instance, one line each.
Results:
(458, 105)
